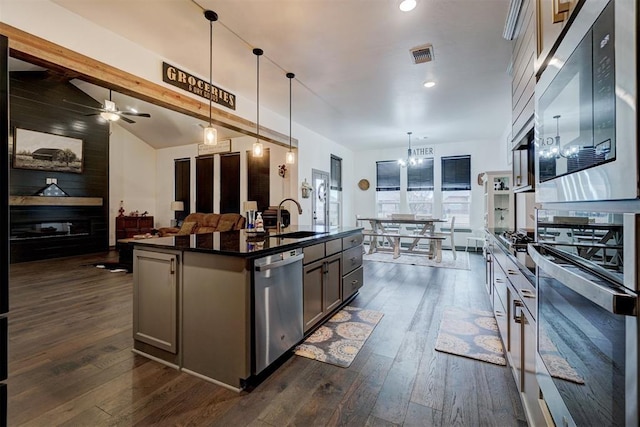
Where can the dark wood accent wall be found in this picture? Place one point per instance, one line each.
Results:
(183, 186)
(204, 184)
(37, 101)
(4, 180)
(258, 179)
(4, 226)
(230, 183)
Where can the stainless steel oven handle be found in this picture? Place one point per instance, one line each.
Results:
(616, 302)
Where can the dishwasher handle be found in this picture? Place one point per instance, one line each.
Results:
(276, 264)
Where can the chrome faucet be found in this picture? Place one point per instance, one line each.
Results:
(279, 214)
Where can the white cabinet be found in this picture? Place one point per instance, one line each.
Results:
(498, 200)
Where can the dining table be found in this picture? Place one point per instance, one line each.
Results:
(391, 230)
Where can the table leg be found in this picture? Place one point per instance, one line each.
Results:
(396, 247)
(438, 249)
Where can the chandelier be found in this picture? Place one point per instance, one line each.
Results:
(411, 160)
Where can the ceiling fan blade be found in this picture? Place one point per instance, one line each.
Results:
(126, 119)
(92, 114)
(131, 113)
(82, 105)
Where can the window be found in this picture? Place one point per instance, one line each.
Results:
(387, 188)
(420, 188)
(335, 193)
(456, 188)
(182, 189)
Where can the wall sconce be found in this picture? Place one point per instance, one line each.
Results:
(306, 189)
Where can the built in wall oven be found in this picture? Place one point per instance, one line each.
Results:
(586, 108)
(587, 362)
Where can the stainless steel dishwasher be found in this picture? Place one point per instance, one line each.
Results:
(278, 306)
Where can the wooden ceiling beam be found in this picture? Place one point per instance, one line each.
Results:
(41, 52)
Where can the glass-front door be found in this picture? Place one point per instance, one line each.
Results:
(320, 201)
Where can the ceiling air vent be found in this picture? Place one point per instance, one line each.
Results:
(422, 54)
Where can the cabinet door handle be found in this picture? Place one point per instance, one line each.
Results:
(172, 266)
(499, 280)
(516, 305)
(512, 272)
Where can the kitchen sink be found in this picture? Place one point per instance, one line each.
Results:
(298, 234)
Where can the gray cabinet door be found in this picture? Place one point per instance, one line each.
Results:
(333, 283)
(312, 293)
(155, 295)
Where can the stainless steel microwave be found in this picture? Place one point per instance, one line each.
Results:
(586, 109)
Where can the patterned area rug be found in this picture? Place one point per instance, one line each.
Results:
(474, 334)
(340, 339)
(461, 263)
(470, 333)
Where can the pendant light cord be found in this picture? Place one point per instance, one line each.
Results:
(258, 52)
(210, 67)
(290, 98)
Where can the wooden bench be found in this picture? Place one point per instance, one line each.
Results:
(433, 238)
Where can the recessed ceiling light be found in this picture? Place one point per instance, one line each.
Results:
(429, 84)
(407, 5)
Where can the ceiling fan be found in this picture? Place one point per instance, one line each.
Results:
(110, 112)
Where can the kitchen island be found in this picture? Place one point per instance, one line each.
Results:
(228, 306)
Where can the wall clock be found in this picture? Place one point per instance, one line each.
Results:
(363, 184)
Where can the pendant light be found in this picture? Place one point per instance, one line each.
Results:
(290, 158)
(410, 161)
(258, 149)
(210, 133)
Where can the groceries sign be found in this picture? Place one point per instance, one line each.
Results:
(185, 81)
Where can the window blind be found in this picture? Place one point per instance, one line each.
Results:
(456, 173)
(258, 175)
(420, 176)
(387, 176)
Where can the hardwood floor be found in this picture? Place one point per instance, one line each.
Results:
(70, 360)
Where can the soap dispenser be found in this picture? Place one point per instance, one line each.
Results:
(259, 223)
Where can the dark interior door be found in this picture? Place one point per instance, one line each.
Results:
(230, 183)
(204, 184)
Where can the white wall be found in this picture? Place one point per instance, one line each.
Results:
(132, 175)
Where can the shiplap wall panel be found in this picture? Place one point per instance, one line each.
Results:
(523, 78)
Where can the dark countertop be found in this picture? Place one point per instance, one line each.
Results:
(521, 259)
(243, 244)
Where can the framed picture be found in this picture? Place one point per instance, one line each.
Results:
(46, 151)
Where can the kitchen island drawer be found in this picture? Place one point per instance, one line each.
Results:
(333, 246)
(351, 283)
(351, 259)
(352, 241)
(313, 253)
